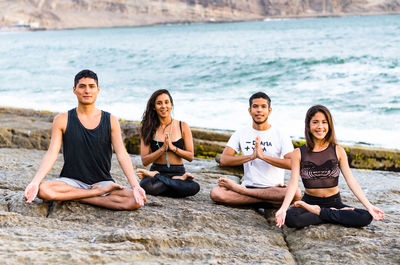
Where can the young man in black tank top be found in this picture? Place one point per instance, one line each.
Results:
(87, 134)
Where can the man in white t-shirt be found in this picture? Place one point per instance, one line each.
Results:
(265, 153)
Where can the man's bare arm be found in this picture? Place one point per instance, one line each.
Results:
(125, 161)
(228, 158)
(58, 127)
(284, 162)
(122, 155)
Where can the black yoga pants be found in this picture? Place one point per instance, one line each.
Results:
(297, 217)
(163, 185)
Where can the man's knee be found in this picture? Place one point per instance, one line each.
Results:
(46, 192)
(217, 195)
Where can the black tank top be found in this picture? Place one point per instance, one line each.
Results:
(319, 169)
(155, 145)
(87, 153)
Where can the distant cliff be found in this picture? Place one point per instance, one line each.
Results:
(57, 14)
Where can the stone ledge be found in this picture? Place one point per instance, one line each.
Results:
(31, 129)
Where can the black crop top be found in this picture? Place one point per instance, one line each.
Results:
(319, 169)
(155, 145)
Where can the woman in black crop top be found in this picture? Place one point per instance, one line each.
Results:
(319, 163)
(165, 142)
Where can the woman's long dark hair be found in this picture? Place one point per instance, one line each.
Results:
(329, 137)
(150, 121)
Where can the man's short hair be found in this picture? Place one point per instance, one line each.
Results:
(260, 95)
(83, 74)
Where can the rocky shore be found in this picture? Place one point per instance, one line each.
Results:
(192, 230)
(56, 14)
(24, 128)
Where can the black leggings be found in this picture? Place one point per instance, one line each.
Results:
(163, 185)
(297, 217)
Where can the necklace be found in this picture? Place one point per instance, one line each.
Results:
(170, 134)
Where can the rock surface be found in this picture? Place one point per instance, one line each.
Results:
(24, 128)
(192, 230)
(57, 14)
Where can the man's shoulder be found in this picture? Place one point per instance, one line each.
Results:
(60, 121)
(62, 117)
(114, 121)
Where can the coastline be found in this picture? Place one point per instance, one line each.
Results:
(173, 230)
(27, 128)
(28, 27)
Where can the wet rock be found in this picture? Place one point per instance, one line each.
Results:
(180, 231)
(211, 135)
(165, 230)
(30, 129)
(332, 244)
(5, 137)
(22, 128)
(373, 158)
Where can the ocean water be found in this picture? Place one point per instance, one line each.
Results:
(351, 65)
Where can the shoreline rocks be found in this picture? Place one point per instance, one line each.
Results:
(191, 230)
(25, 128)
(56, 14)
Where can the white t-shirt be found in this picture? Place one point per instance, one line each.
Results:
(258, 173)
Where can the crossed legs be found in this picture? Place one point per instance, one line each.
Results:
(119, 197)
(304, 214)
(231, 193)
(176, 186)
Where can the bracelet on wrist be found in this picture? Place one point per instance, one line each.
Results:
(176, 149)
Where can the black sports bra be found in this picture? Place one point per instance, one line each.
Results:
(155, 145)
(319, 169)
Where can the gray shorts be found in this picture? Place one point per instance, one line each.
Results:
(82, 185)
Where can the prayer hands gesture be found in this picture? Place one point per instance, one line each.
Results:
(258, 153)
(169, 142)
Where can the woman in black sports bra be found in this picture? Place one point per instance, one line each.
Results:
(319, 163)
(165, 142)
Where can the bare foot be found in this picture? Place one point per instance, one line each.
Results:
(229, 184)
(315, 209)
(184, 177)
(142, 173)
(104, 189)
